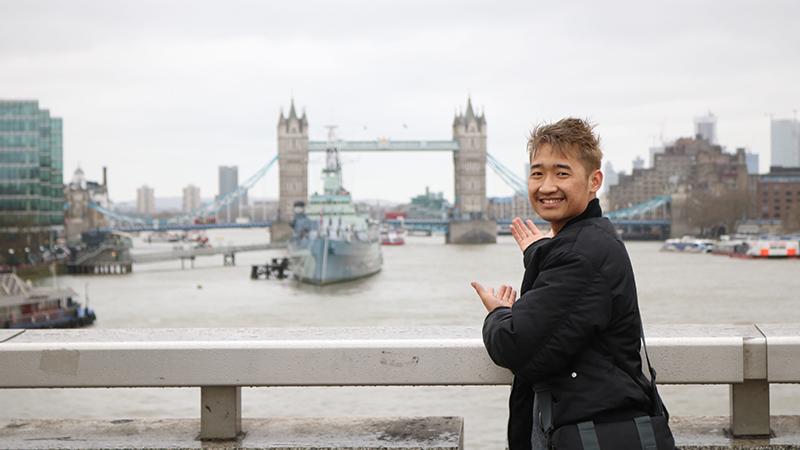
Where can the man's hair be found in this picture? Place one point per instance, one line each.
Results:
(570, 135)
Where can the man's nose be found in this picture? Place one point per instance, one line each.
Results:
(547, 187)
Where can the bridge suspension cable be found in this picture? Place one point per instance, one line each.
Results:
(513, 181)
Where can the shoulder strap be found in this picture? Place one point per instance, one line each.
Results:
(658, 405)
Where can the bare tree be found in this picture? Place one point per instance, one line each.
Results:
(717, 214)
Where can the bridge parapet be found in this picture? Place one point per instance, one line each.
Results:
(746, 357)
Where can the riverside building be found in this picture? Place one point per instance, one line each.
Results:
(31, 173)
(785, 142)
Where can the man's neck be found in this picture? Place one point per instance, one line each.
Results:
(556, 227)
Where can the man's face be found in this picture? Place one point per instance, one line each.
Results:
(559, 186)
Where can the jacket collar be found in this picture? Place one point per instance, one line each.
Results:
(592, 210)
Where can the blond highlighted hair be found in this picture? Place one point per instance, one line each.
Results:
(570, 135)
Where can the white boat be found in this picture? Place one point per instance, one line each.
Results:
(688, 244)
(767, 248)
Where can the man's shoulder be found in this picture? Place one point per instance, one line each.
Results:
(596, 240)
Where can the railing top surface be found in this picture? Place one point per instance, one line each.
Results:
(62, 337)
(355, 356)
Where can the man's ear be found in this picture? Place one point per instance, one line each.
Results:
(596, 181)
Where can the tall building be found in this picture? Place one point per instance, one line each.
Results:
(610, 176)
(228, 183)
(31, 168)
(191, 198)
(638, 163)
(145, 201)
(752, 163)
(705, 128)
(785, 142)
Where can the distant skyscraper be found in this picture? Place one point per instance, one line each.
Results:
(611, 176)
(785, 143)
(638, 163)
(145, 200)
(752, 163)
(228, 183)
(191, 198)
(705, 128)
(31, 167)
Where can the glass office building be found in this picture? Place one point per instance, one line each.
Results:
(31, 168)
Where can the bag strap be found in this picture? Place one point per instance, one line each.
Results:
(646, 434)
(659, 405)
(588, 436)
(545, 403)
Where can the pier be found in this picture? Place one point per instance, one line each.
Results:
(747, 358)
(228, 253)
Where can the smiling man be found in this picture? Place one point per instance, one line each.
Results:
(572, 339)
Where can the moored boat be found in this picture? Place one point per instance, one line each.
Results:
(687, 244)
(332, 242)
(767, 248)
(25, 306)
(393, 236)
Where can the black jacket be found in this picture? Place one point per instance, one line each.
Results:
(575, 329)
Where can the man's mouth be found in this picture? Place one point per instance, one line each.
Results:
(551, 201)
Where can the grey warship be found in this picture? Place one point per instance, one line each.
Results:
(332, 242)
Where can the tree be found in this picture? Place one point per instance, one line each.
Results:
(717, 214)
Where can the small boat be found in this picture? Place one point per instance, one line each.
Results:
(25, 306)
(393, 236)
(688, 244)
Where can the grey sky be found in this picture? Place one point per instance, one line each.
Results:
(164, 92)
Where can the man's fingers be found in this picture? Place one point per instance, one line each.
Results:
(501, 292)
(520, 227)
(478, 288)
(533, 228)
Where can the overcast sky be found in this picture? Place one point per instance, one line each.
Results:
(164, 92)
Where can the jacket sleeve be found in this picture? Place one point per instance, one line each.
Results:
(527, 254)
(551, 322)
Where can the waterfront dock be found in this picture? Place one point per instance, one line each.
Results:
(748, 358)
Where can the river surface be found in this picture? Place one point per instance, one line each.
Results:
(424, 283)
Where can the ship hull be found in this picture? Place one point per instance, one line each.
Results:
(324, 261)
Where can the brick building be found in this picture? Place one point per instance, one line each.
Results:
(778, 196)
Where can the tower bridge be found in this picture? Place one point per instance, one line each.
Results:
(469, 224)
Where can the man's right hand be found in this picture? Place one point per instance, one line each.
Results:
(526, 233)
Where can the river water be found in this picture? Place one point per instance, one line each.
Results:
(424, 283)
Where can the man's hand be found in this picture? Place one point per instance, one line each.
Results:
(506, 296)
(527, 233)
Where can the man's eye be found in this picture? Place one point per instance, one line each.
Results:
(536, 174)
(563, 174)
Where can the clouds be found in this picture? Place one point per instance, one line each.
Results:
(163, 92)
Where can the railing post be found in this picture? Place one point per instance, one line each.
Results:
(220, 412)
(750, 408)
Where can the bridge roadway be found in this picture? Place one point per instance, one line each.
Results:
(748, 358)
(191, 253)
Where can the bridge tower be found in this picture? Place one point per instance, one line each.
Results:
(469, 224)
(292, 170)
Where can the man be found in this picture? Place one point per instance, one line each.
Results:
(574, 333)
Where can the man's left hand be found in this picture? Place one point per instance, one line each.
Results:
(505, 296)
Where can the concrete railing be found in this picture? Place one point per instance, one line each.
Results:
(220, 361)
